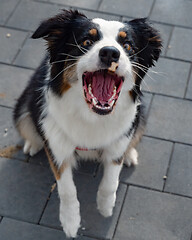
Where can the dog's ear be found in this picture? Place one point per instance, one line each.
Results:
(148, 48)
(148, 41)
(54, 27)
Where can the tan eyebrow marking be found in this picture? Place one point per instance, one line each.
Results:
(122, 34)
(93, 31)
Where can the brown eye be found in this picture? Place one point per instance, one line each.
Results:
(127, 46)
(87, 43)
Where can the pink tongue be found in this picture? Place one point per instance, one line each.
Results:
(102, 86)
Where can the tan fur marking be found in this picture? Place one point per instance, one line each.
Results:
(67, 75)
(93, 31)
(122, 34)
(56, 171)
(65, 86)
(155, 38)
(131, 94)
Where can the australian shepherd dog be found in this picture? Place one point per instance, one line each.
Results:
(84, 102)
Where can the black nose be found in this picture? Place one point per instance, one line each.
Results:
(108, 55)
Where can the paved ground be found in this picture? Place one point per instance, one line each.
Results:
(154, 200)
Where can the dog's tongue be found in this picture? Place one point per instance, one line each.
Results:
(102, 86)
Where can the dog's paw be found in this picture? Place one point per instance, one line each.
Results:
(70, 219)
(105, 204)
(32, 149)
(131, 158)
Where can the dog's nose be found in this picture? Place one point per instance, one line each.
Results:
(109, 54)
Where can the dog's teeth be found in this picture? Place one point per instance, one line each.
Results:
(94, 101)
(111, 104)
(90, 90)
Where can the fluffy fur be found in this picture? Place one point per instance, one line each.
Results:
(86, 95)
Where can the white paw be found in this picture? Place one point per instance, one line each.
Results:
(131, 158)
(106, 203)
(32, 149)
(70, 219)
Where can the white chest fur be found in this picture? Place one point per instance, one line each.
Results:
(85, 128)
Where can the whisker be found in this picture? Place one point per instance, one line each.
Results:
(68, 55)
(144, 71)
(64, 60)
(63, 71)
(140, 50)
(71, 44)
(78, 44)
(142, 79)
(146, 68)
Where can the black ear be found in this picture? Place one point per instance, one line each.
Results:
(148, 48)
(148, 41)
(52, 28)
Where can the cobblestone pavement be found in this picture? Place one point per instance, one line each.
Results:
(154, 200)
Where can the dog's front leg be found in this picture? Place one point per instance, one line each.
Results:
(60, 152)
(69, 205)
(113, 161)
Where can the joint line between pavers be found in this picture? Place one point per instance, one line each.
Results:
(169, 40)
(11, 14)
(150, 12)
(20, 48)
(46, 203)
(169, 164)
(116, 225)
(188, 79)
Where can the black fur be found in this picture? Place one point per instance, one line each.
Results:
(147, 46)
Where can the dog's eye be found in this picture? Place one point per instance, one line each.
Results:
(87, 43)
(127, 46)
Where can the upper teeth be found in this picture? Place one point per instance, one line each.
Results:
(95, 101)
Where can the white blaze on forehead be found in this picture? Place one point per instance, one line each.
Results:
(108, 28)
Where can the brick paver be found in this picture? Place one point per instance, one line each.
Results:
(154, 200)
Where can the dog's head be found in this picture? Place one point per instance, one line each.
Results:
(108, 58)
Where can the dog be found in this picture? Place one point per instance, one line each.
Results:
(84, 101)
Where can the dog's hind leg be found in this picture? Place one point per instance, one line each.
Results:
(33, 141)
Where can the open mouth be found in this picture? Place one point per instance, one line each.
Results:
(101, 90)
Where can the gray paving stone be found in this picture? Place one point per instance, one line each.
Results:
(31, 54)
(147, 98)
(9, 138)
(162, 79)
(92, 224)
(25, 189)
(189, 89)
(12, 81)
(12, 230)
(40, 159)
(91, 15)
(180, 44)
(170, 119)
(87, 167)
(149, 215)
(11, 42)
(131, 8)
(34, 12)
(7, 7)
(86, 4)
(175, 12)
(154, 158)
(180, 172)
